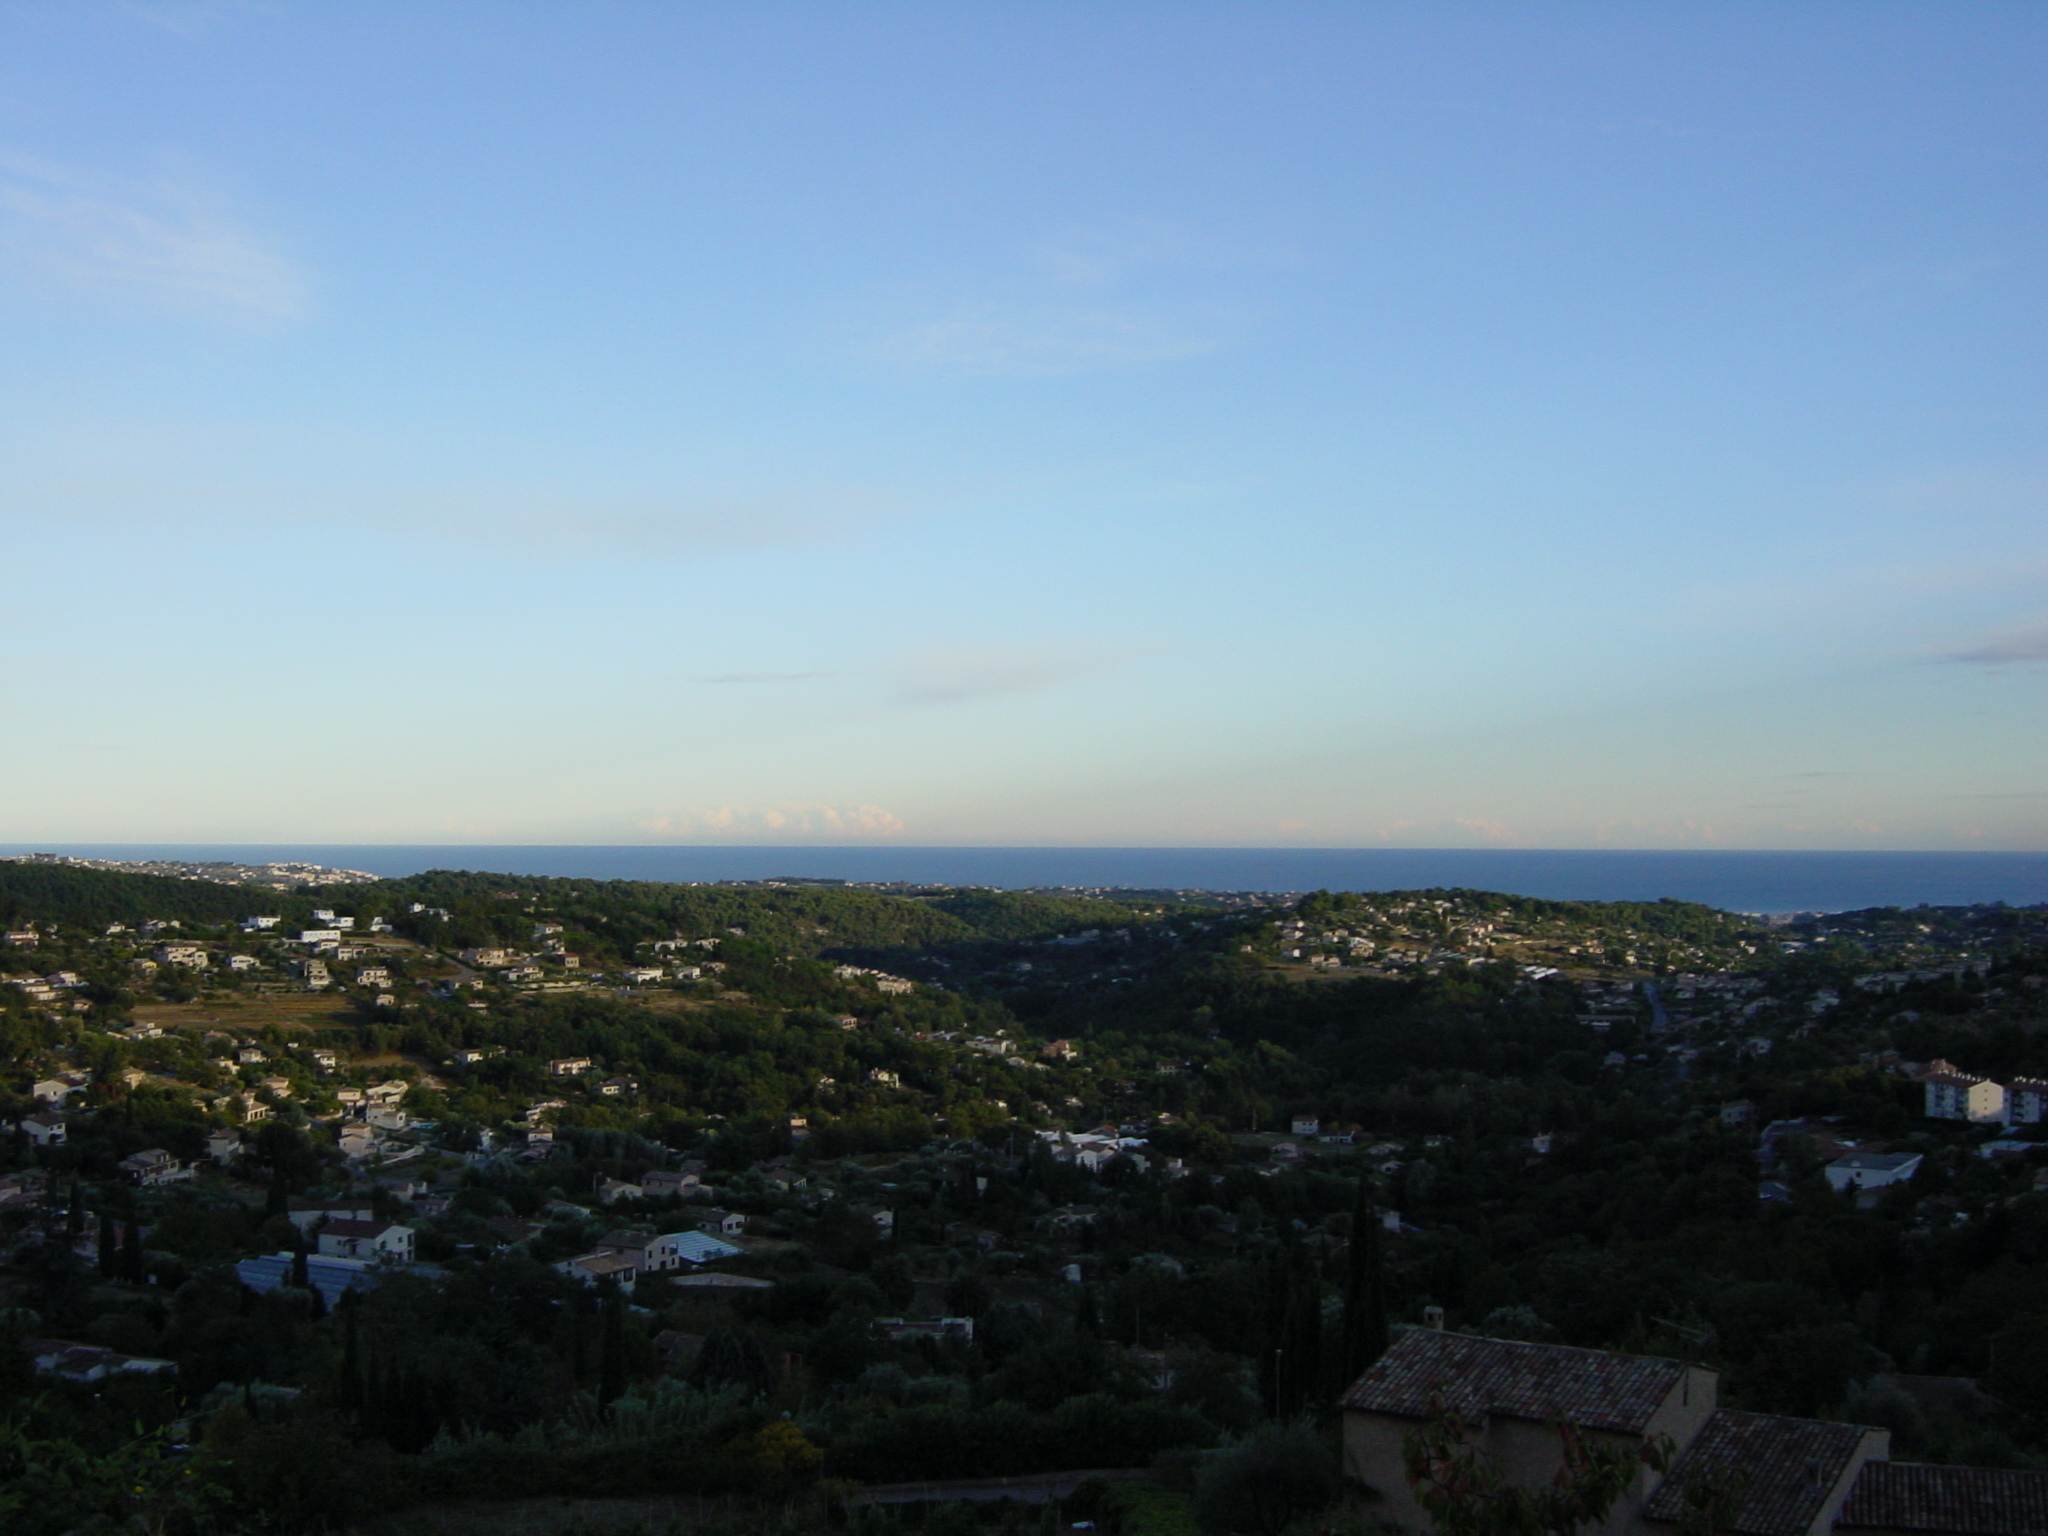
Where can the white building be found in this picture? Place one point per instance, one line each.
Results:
(1872, 1170)
(155, 1166)
(366, 1240)
(1961, 1096)
(2026, 1101)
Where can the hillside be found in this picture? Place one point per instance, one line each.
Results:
(992, 1166)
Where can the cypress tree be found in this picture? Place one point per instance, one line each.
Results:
(351, 1385)
(1273, 1339)
(109, 1253)
(611, 1352)
(131, 1252)
(1304, 1356)
(1292, 1358)
(1365, 1337)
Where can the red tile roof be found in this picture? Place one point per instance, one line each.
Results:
(1793, 1465)
(1545, 1382)
(1954, 1501)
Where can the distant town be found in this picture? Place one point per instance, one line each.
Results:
(796, 1191)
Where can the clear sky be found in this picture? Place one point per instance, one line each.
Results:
(1342, 425)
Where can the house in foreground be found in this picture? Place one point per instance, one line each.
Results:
(1804, 1477)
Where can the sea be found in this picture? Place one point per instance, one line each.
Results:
(1739, 881)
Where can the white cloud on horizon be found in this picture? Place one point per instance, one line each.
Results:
(166, 242)
(777, 822)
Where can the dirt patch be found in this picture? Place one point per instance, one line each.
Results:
(287, 1011)
(670, 1002)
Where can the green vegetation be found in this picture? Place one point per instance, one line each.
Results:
(1080, 1124)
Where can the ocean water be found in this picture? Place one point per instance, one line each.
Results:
(1737, 881)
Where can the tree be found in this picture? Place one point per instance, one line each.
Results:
(1363, 1337)
(611, 1350)
(1465, 1492)
(732, 1358)
(783, 1456)
(1711, 1500)
(1261, 1485)
(349, 1390)
(1292, 1356)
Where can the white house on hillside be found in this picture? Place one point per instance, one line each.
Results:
(1872, 1170)
(345, 1239)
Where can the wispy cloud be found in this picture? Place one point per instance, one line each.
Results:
(2013, 647)
(1045, 341)
(1925, 273)
(655, 525)
(766, 677)
(107, 479)
(1105, 255)
(778, 821)
(965, 675)
(166, 242)
(1126, 295)
(190, 18)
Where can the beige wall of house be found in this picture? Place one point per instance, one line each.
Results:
(1527, 1452)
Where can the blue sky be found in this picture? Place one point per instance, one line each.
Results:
(1336, 425)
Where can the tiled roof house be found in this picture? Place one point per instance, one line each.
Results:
(1799, 1477)
(1798, 1471)
(1515, 1394)
(1897, 1498)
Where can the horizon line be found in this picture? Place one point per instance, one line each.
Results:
(874, 847)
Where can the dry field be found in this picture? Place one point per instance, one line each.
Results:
(290, 1011)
